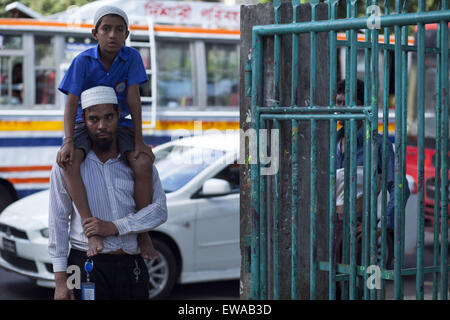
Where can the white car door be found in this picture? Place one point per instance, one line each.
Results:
(217, 227)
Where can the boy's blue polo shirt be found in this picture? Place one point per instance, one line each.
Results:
(87, 71)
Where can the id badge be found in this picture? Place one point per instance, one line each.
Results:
(88, 291)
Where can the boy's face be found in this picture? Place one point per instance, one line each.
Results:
(111, 33)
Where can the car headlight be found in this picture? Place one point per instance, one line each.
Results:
(44, 232)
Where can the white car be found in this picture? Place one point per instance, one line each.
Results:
(199, 241)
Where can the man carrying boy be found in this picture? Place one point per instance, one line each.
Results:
(110, 64)
(119, 272)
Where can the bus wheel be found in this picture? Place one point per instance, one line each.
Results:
(6, 197)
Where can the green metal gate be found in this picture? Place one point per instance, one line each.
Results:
(349, 273)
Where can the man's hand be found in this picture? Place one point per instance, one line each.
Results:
(62, 292)
(97, 227)
(141, 147)
(65, 154)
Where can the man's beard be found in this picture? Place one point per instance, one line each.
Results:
(103, 144)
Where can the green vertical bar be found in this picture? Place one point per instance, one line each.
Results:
(437, 166)
(444, 156)
(294, 70)
(254, 196)
(313, 189)
(276, 230)
(345, 227)
(332, 163)
(294, 182)
(375, 146)
(403, 143)
(366, 200)
(420, 154)
(386, 83)
(367, 144)
(353, 164)
(263, 229)
(276, 82)
(276, 56)
(398, 178)
(294, 163)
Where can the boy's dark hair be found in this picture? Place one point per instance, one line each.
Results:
(112, 14)
(340, 89)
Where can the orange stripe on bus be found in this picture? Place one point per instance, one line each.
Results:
(362, 38)
(28, 22)
(29, 180)
(25, 168)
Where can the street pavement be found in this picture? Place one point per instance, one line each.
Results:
(17, 287)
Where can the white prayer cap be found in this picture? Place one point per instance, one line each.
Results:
(105, 10)
(98, 95)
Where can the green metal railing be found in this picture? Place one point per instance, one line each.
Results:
(350, 271)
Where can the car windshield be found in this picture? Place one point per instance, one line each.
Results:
(178, 164)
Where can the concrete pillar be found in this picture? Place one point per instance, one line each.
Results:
(262, 15)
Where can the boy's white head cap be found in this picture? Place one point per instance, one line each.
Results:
(98, 95)
(105, 10)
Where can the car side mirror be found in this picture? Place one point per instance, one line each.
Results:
(216, 187)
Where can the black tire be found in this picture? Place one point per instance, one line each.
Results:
(165, 266)
(6, 198)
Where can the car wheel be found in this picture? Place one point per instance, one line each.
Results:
(6, 197)
(162, 272)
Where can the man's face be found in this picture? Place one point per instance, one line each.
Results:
(111, 33)
(340, 102)
(101, 122)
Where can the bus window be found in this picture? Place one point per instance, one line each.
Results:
(175, 85)
(222, 74)
(44, 70)
(76, 45)
(10, 42)
(11, 80)
(145, 89)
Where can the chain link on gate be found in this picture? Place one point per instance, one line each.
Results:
(386, 35)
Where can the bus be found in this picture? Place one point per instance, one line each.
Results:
(190, 51)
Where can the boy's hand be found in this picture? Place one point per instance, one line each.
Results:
(97, 227)
(141, 147)
(65, 154)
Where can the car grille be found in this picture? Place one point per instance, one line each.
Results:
(14, 232)
(49, 267)
(21, 263)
